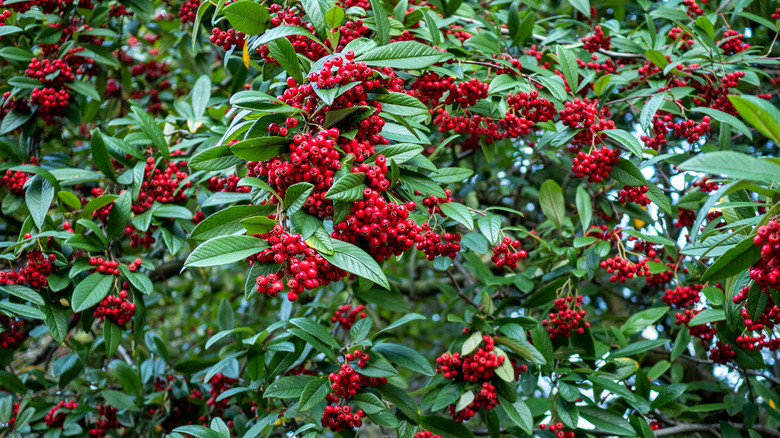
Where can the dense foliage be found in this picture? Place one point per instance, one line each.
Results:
(412, 218)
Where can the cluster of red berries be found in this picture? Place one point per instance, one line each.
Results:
(12, 334)
(686, 41)
(623, 269)
(603, 232)
(32, 274)
(426, 434)
(660, 278)
(598, 40)
(138, 239)
(507, 254)
(722, 353)
(227, 184)
(479, 365)
(430, 88)
(435, 245)
(764, 322)
(705, 332)
(557, 429)
(717, 97)
(227, 38)
(52, 73)
(693, 7)
(346, 383)
(104, 266)
(308, 272)
(432, 203)
(188, 12)
(106, 421)
(162, 185)
(685, 218)
(15, 181)
(524, 110)
(606, 66)
(217, 386)
(585, 115)
(567, 318)
(733, 42)
(55, 418)
(637, 195)
(485, 398)
(117, 309)
(300, 43)
(766, 272)
(312, 159)
(383, 226)
(376, 174)
(706, 185)
(151, 70)
(51, 103)
(595, 165)
(346, 316)
(339, 418)
(682, 296)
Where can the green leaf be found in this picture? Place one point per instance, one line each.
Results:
(382, 36)
(38, 197)
(638, 347)
(313, 393)
(100, 154)
(401, 104)
(584, 207)
(471, 343)
(490, 227)
(150, 128)
(554, 84)
(657, 58)
(405, 357)
(260, 148)
(258, 224)
(321, 241)
(223, 250)
(84, 89)
(117, 399)
(569, 67)
(639, 321)
(317, 330)
(451, 175)
(227, 221)
(582, 6)
(198, 431)
(519, 413)
(247, 16)
(668, 394)
(360, 330)
(732, 262)
(284, 53)
(347, 188)
(56, 321)
(725, 118)
(369, 403)
(354, 260)
(459, 213)
(315, 10)
(377, 368)
(401, 321)
(707, 316)
(281, 32)
(626, 139)
(446, 427)
(407, 55)
(607, 421)
(759, 113)
(14, 119)
(734, 165)
(91, 291)
(296, 195)
(552, 202)
(22, 310)
(567, 412)
(201, 93)
(649, 110)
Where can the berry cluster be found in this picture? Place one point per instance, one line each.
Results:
(685, 218)
(705, 332)
(117, 309)
(478, 368)
(766, 272)
(733, 42)
(567, 318)
(623, 269)
(217, 386)
(603, 232)
(722, 353)
(636, 195)
(438, 245)
(346, 383)
(376, 174)
(706, 185)
(384, 228)
(346, 315)
(307, 272)
(693, 7)
(596, 165)
(312, 159)
(426, 434)
(227, 38)
(339, 418)
(15, 181)
(596, 41)
(685, 39)
(55, 418)
(34, 273)
(104, 266)
(138, 239)
(106, 421)
(188, 12)
(682, 296)
(526, 109)
(162, 185)
(585, 115)
(506, 253)
(557, 429)
(12, 334)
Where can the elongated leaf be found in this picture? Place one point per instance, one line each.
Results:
(90, 291)
(353, 259)
(735, 165)
(552, 203)
(150, 128)
(38, 197)
(225, 249)
(759, 113)
(410, 55)
(247, 16)
(283, 51)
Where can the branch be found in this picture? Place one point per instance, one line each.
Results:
(714, 428)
